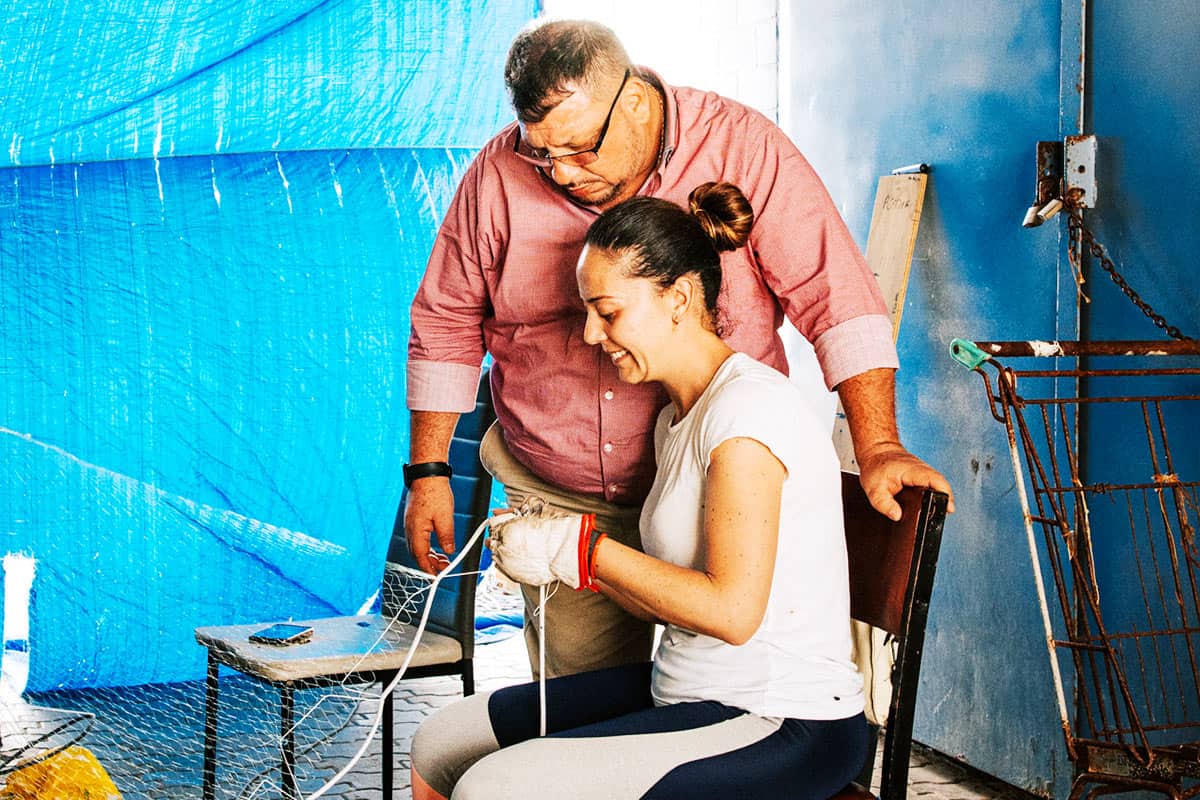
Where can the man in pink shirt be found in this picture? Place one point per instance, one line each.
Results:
(593, 130)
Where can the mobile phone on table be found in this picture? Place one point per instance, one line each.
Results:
(284, 633)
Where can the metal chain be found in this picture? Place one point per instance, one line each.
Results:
(1078, 233)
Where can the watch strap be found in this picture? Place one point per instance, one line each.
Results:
(426, 469)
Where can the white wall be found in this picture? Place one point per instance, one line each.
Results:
(730, 48)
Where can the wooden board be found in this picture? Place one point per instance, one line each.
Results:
(890, 243)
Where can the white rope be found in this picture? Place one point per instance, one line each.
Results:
(412, 648)
(1039, 581)
(542, 660)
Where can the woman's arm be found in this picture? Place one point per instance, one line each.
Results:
(628, 603)
(728, 598)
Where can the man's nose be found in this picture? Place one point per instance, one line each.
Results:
(562, 173)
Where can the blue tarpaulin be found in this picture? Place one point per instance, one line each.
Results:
(212, 220)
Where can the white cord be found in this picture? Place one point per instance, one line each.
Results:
(412, 648)
(542, 660)
(1039, 581)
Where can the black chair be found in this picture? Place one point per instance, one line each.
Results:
(892, 566)
(371, 648)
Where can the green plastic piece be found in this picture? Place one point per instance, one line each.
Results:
(966, 353)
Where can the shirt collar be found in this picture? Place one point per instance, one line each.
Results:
(670, 116)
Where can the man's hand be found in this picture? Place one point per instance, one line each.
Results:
(888, 468)
(430, 508)
(885, 466)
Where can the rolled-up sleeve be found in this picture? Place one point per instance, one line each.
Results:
(853, 347)
(441, 386)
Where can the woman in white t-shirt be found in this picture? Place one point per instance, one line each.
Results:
(751, 693)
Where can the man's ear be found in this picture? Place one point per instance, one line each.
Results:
(640, 98)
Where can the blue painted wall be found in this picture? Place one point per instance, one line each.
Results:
(970, 90)
(1144, 105)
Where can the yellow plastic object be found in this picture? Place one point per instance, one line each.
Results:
(71, 774)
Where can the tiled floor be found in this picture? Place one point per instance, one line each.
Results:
(934, 776)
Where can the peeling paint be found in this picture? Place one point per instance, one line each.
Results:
(1045, 349)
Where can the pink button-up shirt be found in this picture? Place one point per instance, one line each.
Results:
(501, 279)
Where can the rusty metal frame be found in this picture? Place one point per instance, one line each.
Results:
(1123, 732)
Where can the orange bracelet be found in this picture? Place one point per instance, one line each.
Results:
(589, 537)
(594, 541)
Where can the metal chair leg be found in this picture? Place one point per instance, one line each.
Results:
(287, 733)
(468, 677)
(210, 730)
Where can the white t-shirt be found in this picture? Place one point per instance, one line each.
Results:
(797, 664)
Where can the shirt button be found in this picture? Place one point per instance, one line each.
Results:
(608, 447)
(608, 395)
(614, 488)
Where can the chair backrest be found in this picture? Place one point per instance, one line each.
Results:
(453, 612)
(892, 566)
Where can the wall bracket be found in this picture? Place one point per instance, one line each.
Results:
(1079, 172)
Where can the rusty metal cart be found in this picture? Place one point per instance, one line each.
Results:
(1119, 536)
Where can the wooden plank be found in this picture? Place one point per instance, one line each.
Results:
(890, 242)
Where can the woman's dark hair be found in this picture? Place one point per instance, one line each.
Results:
(665, 242)
(545, 59)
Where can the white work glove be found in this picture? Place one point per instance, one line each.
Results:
(536, 545)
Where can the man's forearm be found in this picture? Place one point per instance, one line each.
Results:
(430, 433)
(885, 466)
(430, 506)
(869, 400)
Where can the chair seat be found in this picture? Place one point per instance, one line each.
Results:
(339, 645)
(853, 792)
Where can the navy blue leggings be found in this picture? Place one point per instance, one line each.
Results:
(606, 739)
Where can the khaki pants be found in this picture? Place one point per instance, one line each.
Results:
(584, 630)
(874, 655)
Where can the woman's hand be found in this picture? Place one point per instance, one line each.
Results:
(536, 546)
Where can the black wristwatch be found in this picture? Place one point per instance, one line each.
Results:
(427, 469)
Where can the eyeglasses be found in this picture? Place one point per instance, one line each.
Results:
(543, 160)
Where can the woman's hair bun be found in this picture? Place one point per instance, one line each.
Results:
(723, 212)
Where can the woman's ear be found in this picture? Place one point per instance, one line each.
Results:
(682, 296)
